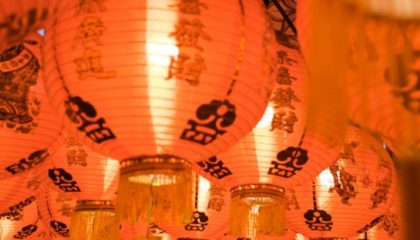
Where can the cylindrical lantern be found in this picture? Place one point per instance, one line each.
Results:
(279, 152)
(20, 18)
(210, 219)
(155, 83)
(29, 129)
(92, 179)
(349, 196)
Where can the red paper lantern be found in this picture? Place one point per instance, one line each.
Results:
(20, 18)
(157, 82)
(91, 179)
(30, 130)
(348, 197)
(279, 152)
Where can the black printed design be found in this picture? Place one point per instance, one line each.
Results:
(318, 220)
(60, 228)
(212, 120)
(26, 232)
(18, 73)
(289, 161)
(33, 160)
(84, 114)
(63, 180)
(215, 168)
(370, 225)
(199, 222)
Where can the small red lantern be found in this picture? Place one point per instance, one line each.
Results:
(350, 196)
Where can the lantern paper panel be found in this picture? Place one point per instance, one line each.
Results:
(351, 194)
(210, 219)
(378, 84)
(82, 172)
(20, 18)
(17, 193)
(148, 78)
(29, 128)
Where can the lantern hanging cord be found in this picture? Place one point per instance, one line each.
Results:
(285, 16)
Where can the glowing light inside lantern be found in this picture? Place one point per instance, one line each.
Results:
(160, 47)
(111, 171)
(267, 118)
(6, 227)
(203, 194)
(325, 182)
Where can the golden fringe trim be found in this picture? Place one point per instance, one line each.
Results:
(257, 211)
(94, 220)
(155, 190)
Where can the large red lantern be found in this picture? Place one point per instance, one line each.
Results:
(279, 152)
(155, 83)
(350, 196)
(92, 180)
(20, 18)
(29, 129)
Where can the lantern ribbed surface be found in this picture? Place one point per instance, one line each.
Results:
(144, 78)
(29, 128)
(348, 197)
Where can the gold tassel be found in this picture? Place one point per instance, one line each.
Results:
(153, 189)
(93, 220)
(257, 211)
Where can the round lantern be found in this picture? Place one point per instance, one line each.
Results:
(29, 129)
(25, 224)
(279, 152)
(156, 83)
(92, 179)
(20, 18)
(210, 219)
(350, 196)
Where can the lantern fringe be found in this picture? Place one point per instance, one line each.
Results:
(88, 224)
(257, 214)
(156, 193)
